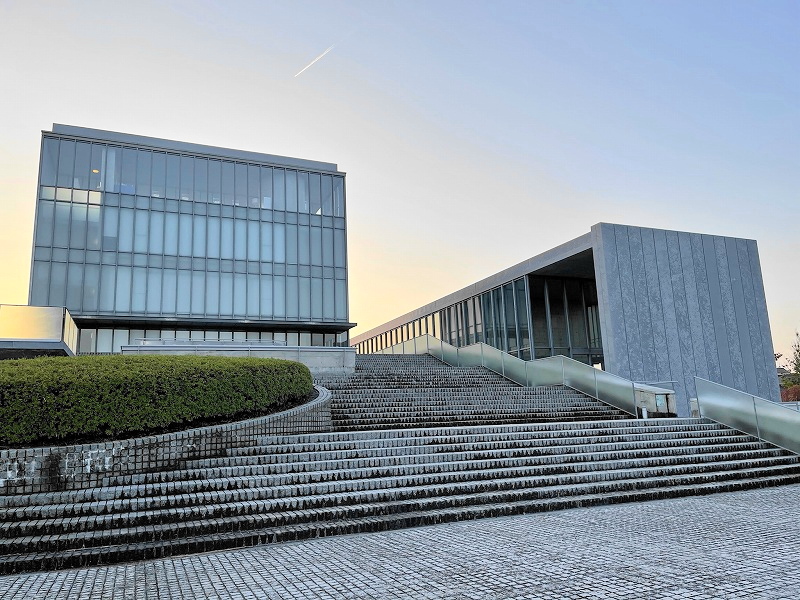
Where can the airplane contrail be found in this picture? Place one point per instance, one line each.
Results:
(316, 59)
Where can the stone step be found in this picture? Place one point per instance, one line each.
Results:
(63, 518)
(199, 521)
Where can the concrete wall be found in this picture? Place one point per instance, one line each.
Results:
(674, 305)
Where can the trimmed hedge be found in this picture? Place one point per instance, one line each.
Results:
(55, 398)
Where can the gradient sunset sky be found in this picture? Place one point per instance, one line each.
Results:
(474, 134)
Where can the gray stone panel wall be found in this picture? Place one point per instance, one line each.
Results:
(675, 305)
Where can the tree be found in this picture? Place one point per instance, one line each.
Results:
(794, 359)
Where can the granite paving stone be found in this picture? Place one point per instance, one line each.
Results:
(718, 547)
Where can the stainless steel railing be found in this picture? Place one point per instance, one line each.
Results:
(555, 370)
(769, 421)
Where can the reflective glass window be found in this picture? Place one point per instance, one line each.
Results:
(279, 296)
(66, 163)
(329, 299)
(77, 236)
(266, 241)
(44, 223)
(61, 225)
(168, 291)
(74, 287)
(304, 298)
(291, 244)
(326, 192)
(126, 230)
(291, 191)
(173, 176)
(327, 247)
(576, 312)
(199, 235)
(111, 172)
(240, 240)
(200, 180)
(212, 293)
(144, 159)
(185, 235)
(278, 243)
(558, 321)
(127, 178)
(338, 196)
(240, 171)
(91, 285)
(315, 201)
(303, 204)
(303, 245)
(107, 287)
(253, 186)
(266, 187)
(141, 235)
(83, 159)
(156, 232)
(213, 231)
(541, 338)
(522, 313)
(214, 182)
(226, 294)
(171, 234)
(97, 167)
(49, 166)
(184, 292)
(154, 291)
(239, 294)
(339, 248)
(226, 249)
(292, 301)
(159, 183)
(198, 292)
(510, 318)
(265, 283)
(139, 290)
(253, 241)
(123, 293)
(227, 183)
(278, 190)
(316, 246)
(40, 286)
(316, 299)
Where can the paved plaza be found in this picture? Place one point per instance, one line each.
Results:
(734, 545)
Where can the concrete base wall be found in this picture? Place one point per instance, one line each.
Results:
(318, 359)
(34, 470)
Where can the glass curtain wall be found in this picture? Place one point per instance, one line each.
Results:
(530, 317)
(141, 232)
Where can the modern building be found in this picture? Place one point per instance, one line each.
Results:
(647, 304)
(141, 237)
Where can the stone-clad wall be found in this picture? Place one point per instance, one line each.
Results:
(674, 305)
(31, 470)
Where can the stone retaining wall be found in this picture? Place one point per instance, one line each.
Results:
(32, 470)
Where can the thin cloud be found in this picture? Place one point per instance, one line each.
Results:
(316, 59)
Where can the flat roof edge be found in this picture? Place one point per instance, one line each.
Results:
(191, 148)
(546, 258)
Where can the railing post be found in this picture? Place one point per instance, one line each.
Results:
(596, 391)
(633, 397)
(562, 371)
(503, 363)
(755, 414)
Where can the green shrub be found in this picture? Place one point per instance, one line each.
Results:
(95, 396)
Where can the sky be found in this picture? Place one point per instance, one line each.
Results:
(474, 135)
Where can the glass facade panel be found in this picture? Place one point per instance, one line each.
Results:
(123, 230)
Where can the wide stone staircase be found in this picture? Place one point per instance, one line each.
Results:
(415, 442)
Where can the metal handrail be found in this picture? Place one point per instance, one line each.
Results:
(768, 421)
(613, 389)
